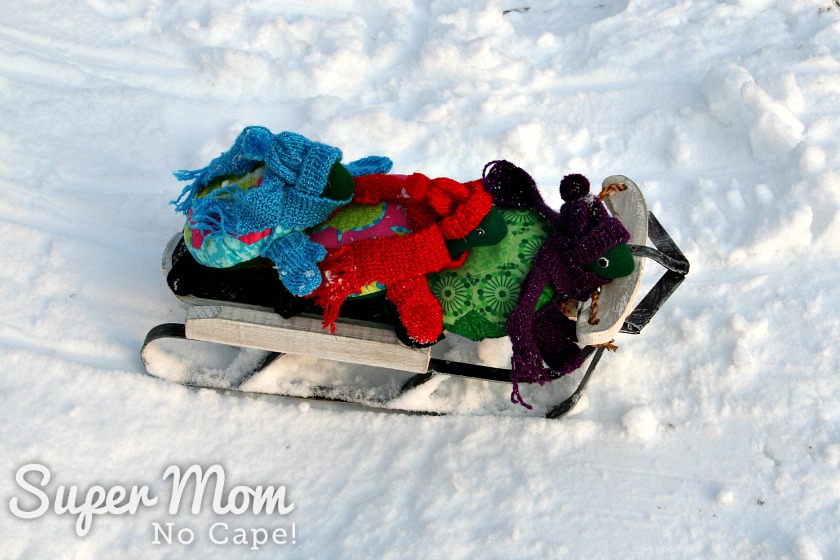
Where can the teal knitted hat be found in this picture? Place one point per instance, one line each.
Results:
(295, 159)
(296, 173)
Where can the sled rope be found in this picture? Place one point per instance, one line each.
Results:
(596, 308)
(611, 189)
(607, 346)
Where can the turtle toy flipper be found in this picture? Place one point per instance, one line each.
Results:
(490, 231)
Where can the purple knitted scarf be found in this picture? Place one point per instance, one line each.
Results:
(544, 343)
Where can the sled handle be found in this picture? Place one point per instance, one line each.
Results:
(617, 297)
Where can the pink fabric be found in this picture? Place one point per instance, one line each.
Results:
(392, 222)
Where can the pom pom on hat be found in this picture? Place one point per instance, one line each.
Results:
(255, 142)
(573, 187)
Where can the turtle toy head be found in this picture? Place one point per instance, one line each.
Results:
(597, 241)
(339, 183)
(616, 262)
(490, 231)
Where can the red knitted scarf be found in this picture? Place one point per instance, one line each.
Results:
(437, 209)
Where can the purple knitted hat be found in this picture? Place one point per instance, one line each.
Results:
(583, 227)
(588, 231)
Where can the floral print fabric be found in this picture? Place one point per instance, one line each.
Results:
(478, 297)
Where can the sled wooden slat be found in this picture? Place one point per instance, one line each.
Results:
(354, 343)
(617, 297)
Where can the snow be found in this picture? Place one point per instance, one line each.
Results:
(713, 434)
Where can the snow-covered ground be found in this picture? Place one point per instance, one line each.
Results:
(713, 434)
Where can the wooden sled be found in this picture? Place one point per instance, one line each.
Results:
(244, 325)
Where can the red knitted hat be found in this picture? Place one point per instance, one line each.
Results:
(462, 205)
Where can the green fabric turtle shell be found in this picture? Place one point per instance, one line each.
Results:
(478, 297)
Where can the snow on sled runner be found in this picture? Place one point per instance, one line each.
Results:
(236, 308)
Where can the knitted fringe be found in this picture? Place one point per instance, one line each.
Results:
(234, 212)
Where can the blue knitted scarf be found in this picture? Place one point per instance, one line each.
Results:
(295, 175)
(289, 198)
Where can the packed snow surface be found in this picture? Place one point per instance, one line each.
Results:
(713, 434)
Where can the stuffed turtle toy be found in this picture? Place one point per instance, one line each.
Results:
(444, 217)
(257, 199)
(478, 297)
(585, 249)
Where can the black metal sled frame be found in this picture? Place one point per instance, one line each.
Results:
(665, 252)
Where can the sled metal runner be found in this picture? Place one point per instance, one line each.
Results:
(241, 327)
